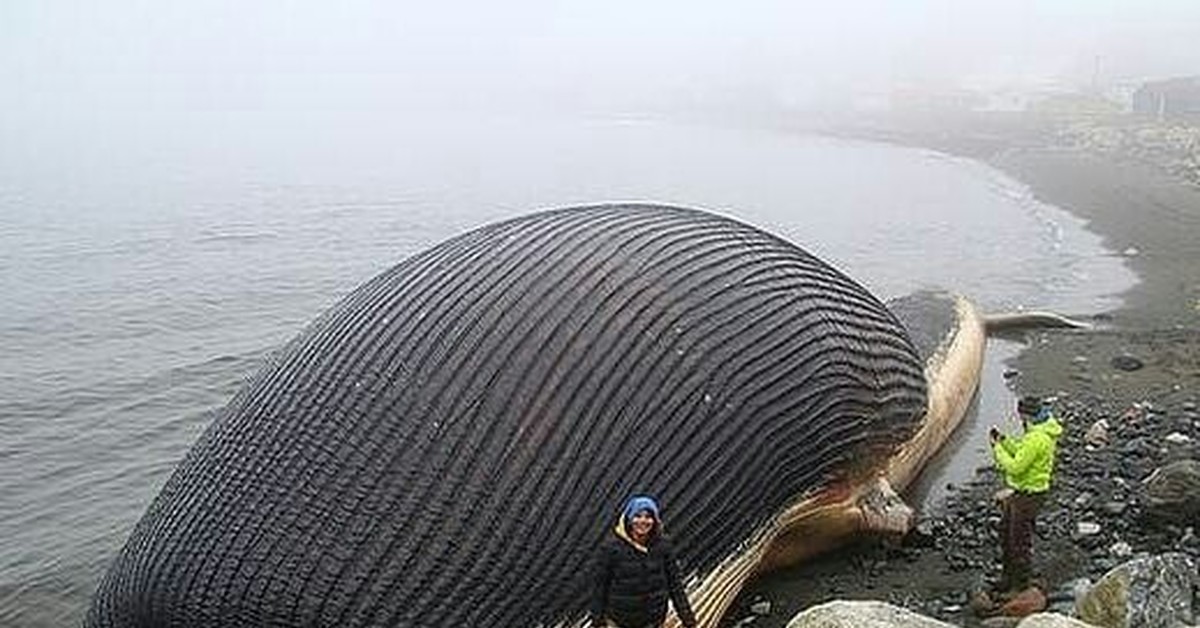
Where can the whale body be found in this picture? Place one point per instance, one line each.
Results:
(448, 445)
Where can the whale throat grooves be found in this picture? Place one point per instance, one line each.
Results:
(449, 444)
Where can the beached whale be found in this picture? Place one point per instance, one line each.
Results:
(448, 445)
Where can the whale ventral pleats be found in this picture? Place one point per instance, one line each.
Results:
(448, 444)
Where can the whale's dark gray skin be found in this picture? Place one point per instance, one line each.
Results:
(449, 444)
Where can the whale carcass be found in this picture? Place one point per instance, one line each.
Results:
(448, 444)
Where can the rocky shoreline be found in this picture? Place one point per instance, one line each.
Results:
(1136, 378)
(1097, 517)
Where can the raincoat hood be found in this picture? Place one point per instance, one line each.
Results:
(1048, 426)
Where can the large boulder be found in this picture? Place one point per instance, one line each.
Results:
(1051, 620)
(866, 614)
(1173, 491)
(1153, 592)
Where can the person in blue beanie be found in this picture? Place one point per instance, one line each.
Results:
(636, 572)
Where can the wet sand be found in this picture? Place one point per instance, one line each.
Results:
(1149, 216)
(1153, 220)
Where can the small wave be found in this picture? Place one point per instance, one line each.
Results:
(227, 236)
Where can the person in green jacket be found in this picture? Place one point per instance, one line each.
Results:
(1027, 464)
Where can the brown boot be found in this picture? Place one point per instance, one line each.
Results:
(1023, 603)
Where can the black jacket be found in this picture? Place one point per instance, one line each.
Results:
(632, 586)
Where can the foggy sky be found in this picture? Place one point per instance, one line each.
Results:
(86, 63)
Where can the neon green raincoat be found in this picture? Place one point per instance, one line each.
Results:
(1028, 461)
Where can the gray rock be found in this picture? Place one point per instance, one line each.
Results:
(1115, 507)
(866, 614)
(1175, 438)
(1173, 491)
(1097, 434)
(1051, 620)
(1120, 549)
(1155, 591)
(1133, 446)
(1079, 589)
(1127, 362)
(1061, 608)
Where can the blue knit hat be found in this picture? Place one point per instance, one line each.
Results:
(638, 503)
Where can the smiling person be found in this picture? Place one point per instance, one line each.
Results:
(636, 572)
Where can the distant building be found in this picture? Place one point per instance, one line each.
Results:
(1172, 98)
